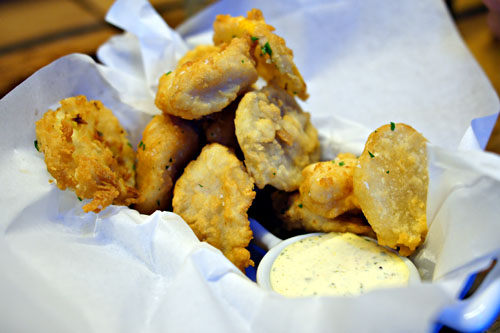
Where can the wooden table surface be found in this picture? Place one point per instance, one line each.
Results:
(35, 33)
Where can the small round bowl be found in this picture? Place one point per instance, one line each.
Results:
(264, 268)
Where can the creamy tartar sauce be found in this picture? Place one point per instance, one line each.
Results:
(339, 264)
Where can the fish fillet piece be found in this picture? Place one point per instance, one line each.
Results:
(295, 215)
(207, 83)
(274, 59)
(86, 150)
(327, 187)
(168, 145)
(276, 137)
(213, 196)
(391, 184)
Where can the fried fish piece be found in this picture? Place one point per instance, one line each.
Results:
(213, 196)
(199, 52)
(391, 183)
(274, 58)
(327, 187)
(87, 151)
(276, 137)
(295, 215)
(168, 145)
(208, 83)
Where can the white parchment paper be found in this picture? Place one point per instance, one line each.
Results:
(366, 63)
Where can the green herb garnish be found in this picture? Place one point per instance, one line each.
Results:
(300, 205)
(200, 185)
(267, 49)
(79, 198)
(393, 126)
(158, 203)
(167, 73)
(371, 155)
(36, 145)
(255, 38)
(387, 171)
(141, 144)
(341, 163)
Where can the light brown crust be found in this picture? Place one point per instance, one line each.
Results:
(207, 84)
(327, 187)
(213, 196)
(276, 137)
(295, 215)
(274, 59)
(87, 151)
(391, 183)
(167, 146)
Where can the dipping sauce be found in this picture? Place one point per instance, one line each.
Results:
(337, 264)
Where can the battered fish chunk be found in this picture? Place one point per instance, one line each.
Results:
(327, 187)
(208, 83)
(213, 196)
(87, 151)
(295, 215)
(199, 52)
(276, 137)
(168, 145)
(391, 183)
(274, 58)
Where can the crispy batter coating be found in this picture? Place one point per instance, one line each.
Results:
(213, 196)
(295, 215)
(208, 83)
(327, 188)
(168, 145)
(274, 58)
(391, 183)
(87, 151)
(276, 137)
(199, 52)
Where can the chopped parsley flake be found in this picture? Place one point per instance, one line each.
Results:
(274, 173)
(200, 185)
(79, 198)
(300, 205)
(255, 38)
(158, 203)
(341, 163)
(242, 61)
(393, 126)
(267, 49)
(167, 73)
(129, 144)
(141, 144)
(133, 166)
(99, 133)
(36, 145)
(371, 155)
(387, 171)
